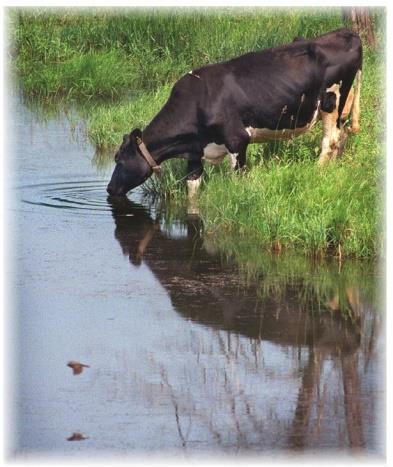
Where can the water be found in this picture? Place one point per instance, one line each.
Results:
(194, 345)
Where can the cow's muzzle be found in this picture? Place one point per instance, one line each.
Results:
(112, 191)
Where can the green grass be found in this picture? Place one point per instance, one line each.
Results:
(87, 76)
(118, 67)
(145, 48)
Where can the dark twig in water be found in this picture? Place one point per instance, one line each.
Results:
(77, 367)
(77, 437)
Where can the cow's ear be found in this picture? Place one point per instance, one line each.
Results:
(136, 134)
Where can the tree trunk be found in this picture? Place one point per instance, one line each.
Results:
(362, 23)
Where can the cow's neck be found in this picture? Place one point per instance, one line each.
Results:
(164, 143)
(162, 149)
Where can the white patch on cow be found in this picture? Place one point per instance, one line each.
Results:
(334, 88)
(261, 135)
(214, 153)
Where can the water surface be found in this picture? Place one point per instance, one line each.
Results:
(192, 344)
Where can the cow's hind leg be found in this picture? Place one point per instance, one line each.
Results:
(355, 116)
(351, 108)
(348, 106)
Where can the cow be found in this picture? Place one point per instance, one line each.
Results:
(219, 109)
(339, 47)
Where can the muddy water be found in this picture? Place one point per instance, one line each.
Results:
(135, 333)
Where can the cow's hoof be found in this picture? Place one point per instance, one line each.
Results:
(192, 209)
(323, 160)
(354, 130)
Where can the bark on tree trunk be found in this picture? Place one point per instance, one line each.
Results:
(362, 23)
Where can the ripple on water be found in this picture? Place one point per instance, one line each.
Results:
(81, 197)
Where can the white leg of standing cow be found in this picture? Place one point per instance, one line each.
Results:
(233, 160)
(331, 134)
(192, 191)
(194, 175)
(192, 187)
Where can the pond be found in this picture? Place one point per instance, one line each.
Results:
(133, 332)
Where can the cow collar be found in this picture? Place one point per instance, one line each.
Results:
(148, 157)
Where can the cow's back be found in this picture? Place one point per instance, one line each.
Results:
(342, 49)
(267, 88)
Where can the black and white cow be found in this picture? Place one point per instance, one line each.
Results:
(220, 109)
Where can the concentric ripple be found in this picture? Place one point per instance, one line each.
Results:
(78, 196)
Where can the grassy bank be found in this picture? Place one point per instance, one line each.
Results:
(118, 69)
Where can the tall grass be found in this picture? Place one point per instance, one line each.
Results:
(123, 64)
(144, 48)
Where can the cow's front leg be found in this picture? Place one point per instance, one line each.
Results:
(194, 179)
(194, 176)
(233, 160)
(237, 140)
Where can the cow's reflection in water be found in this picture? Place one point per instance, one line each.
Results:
(324, 325)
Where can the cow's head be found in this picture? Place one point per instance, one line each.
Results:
(131, 169)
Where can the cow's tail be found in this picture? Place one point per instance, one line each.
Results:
(355, 113)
